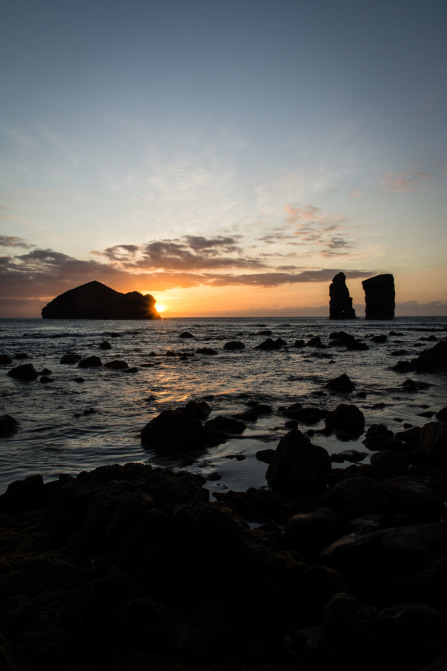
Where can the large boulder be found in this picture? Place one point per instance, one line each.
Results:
(298, 465)
(95, 300)
(379, 297)
(340, 304)
(177, 431)
(347, 420)
(26, 372)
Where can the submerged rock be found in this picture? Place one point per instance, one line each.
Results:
(8, 425)
(95, 300)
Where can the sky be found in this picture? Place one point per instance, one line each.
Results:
(228, 157)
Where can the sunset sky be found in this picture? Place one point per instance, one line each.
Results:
(228, 157)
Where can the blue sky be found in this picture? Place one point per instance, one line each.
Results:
(226, 157)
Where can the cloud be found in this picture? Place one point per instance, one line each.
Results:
(406, 181)
(13, 241)
(190, 253)
(274, 279)
(327, 234)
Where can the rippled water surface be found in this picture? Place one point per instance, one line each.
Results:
(68, 425)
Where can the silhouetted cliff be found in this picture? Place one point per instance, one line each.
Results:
(379, 297)
(97, 301)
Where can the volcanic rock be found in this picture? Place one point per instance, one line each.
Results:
(379, 297)
(8, 425)
(340, 304)
(95, 300)
(341, 383)
(346, 419)
(298, 465)
(234, 345)
(90, 362)
(25, 372)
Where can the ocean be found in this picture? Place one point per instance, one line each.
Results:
(85, 418)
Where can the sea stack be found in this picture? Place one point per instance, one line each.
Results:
(340, 304)
(379, 297)
(97, 301)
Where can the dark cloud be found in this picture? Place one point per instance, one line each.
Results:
(188, 253)
(274, 279)
(13, 241)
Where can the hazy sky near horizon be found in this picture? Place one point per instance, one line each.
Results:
(227, 157)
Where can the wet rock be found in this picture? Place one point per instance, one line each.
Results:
(116, 364)
(340, 304)
(379, 437)
(227, 425)
(310, 532)
(105, 345)
(252, 413)
(379, 297)
(305, 414)
(5, 359)
(442, 415)
(357, 496)
(357, 345)
(415, 385)
(90, 362)
(433, 441)
(186, 334)
(388, 463)
(21, 355)
(199, 409)
(379, 338)
(70, 358)
(234, 345)
(315, 342)
(8, 425)
(26, 372)
(430, 361)
(208, 351)
(299, 343)
(341, 338)
(45, 379)
(270, 344)
(176, 431)
(352, 456)
(341, 383)
(266, 455)
(346, 419)
(415, 499)
(298, 465)
(410, 436)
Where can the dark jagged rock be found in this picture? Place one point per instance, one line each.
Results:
(346, 420)
(340, 304)
(227, 425)
(341, 383)
(8, 425)
(26, 372)
(90, 362)
(95, 300)
(116, 364)
(234, 345)
(70, 358)
(379, 297)
(298, 465)
(270, 344)
(5, 359)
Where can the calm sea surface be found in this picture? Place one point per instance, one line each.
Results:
(67, 425)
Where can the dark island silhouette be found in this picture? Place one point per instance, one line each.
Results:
(95, 300)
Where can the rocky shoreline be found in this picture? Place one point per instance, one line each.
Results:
(135, 567)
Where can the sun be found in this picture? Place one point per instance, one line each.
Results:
(160, 308)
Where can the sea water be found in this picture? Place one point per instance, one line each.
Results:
(68, 425)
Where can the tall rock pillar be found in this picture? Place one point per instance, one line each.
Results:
(379, 297)
(340, 304)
